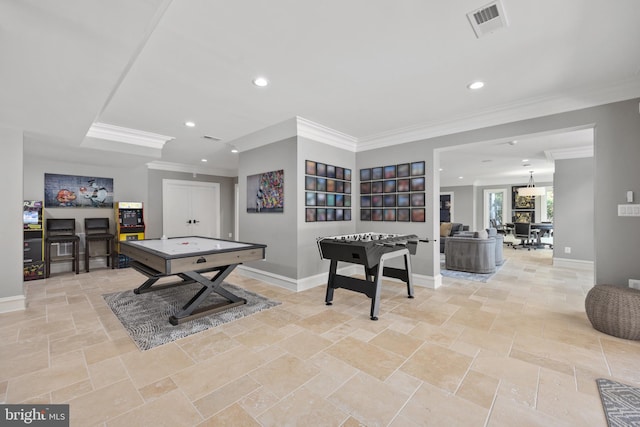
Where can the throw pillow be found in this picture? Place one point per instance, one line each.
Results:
(445, 229)
(482, 234)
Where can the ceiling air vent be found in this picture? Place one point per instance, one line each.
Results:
(212, 138)
(487, 19)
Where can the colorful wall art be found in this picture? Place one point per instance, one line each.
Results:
(393, 193)
(327, 192)
(265, 192)
(70, 191)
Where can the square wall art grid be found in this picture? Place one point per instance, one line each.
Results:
(327, 192)
(393, 193)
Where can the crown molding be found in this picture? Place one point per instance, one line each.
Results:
(266, 136)
(569, 153)
(180, 167)
(571, 100)
(128, 136)
(317, 132)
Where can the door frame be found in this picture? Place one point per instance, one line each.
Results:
(485, 205)
(236, 215)
(451, 194)
(199, 184)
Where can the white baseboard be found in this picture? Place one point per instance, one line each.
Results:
(321, 279)
(15, 303)
(265, 276)
(572, 263)
(431, 282)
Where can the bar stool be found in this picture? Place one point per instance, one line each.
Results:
(95, 230)
(61, 231)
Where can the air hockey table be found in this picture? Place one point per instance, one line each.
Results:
(188, 258)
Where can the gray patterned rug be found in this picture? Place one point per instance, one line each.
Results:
(621, 403)
(474, 277)
(146, 316)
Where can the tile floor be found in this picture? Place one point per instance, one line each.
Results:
(517, 350)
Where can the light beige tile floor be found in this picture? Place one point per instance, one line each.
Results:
(517, 350)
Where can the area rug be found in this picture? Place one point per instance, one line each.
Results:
(475, 277)
(621, 403)
(146, 316)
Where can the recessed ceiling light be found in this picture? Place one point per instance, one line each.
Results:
(460, 177)
(260, 81)
(189, 124)
(440, 169)
(234, 149)
(476, 85)
(203, 160)
(525, 160)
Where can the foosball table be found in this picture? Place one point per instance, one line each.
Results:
(370, 250)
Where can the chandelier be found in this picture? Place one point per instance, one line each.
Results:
(531, 190)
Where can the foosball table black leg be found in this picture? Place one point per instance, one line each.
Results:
(332, 276)
(374, 318)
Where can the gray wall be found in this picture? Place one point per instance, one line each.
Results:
(574, 209)
(309, 262)
(153, 208)
(463, 204)
(617, 150)
(423, 262)
(11, 143)
(129, 184)
(276, 230)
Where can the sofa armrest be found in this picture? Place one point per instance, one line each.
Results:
(470, 254)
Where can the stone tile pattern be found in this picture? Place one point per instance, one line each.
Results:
(517, 350)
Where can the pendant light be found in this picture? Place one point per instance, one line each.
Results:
(531, 190)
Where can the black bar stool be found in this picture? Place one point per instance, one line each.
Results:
(61, 231)
(96, 230)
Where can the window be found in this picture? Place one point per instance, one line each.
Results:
(494, 206)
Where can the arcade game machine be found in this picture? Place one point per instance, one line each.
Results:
(129, 226)
(33, 240)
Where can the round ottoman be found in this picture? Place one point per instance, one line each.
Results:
(614, 310)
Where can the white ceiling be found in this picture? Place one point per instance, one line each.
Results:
(375, 70)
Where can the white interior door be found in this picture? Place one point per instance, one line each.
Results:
(190, 208)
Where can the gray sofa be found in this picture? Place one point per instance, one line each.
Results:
(474, 252)
(456, 228)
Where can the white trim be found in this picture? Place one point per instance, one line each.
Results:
(485, 205)
(572, 263)
(267, 277)
(295, 285)
(236, 216)
(180, 167)
(431, 282)
(214, 186)
(128, 136)
(321, 133)
(266, 136)
(569, 153)
(15, 303)
(571, 100)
